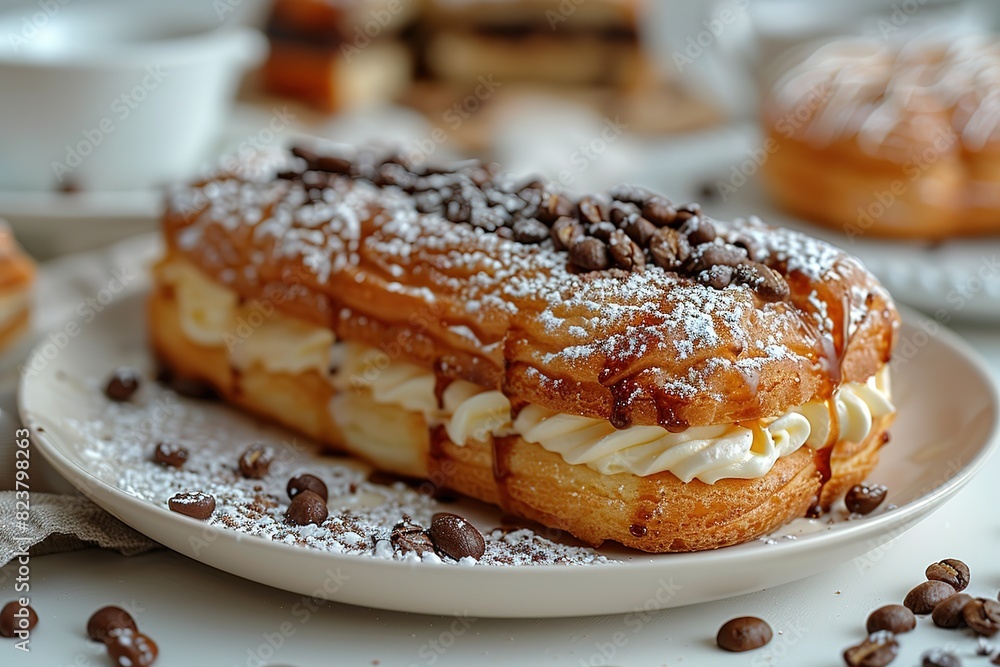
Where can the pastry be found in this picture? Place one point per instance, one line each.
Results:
(17, 279)
(614, 366)
(889, 139)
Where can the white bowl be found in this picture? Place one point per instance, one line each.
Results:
(114, 97)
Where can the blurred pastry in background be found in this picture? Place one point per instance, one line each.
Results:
(17, 279)
(339, 54)
(891, 140)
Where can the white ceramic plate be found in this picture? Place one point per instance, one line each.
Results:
(945, 431)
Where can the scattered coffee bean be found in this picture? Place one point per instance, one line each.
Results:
(408, 536)
(939, 658)
(717, 277)
(591, 210)
(122, 385)
(106, 619)
(864, 498)
(566, 232)
(196, 505)
(530, 231)
(625, 252)
(312, 483)
(632, 194)
(128, 647)
(948, 612)
(698, 230)
(256, 461)
(590, 254)
(170, 454)
(455, 537)
(307, 507)
(767, 283)
(15, 617)
(894, 618)
(659, 211)
(640, 230)
(602, 231)
(878, 650)
(950, 571)
(669, 249)
(924, 597)
(982, 615)
(743, 634)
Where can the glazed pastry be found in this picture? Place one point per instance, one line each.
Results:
(17, 279)
(614, 366)
(889, 139)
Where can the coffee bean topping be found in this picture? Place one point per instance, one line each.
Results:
(640, 230)
(864, 498)
(939, 658)
(632, 194)
(307, 507)
(591, 210)
(122, 385)
(948, 612)
(894, 618)
(924, 597)
(625, 252)
(950, 571)
(255, 462)
(529, 231)
(590, 254)
(566, 232)
(130, 648)
(669, 249)
(455, 537)
(106, 619)
(196, 505)
(743, 634)
(698, 230)
(982, 615)
(659, 211)
(408, 536)
(15, 617)
(300, 483)
(768, 284)
(878, 650)
(170, 454)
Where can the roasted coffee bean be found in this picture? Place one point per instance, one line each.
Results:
(894, 618)
(877, 651)
(621, 212)
(170, 454)
(566, 232)
(529, 231)
(659, 211)
(15, 617)
(196, 505)
(719, 276)
(950, 571)
(408, 536)
(864, 498)
(669, 249)
(300, 483)
(625, 252)
(131, 648)
(602, 231)
(632, 194)
(307, 507)
(767, 283)
(706, 256)
(939, 658)
(106, 619)
(255, 462)
(591, 211)
(590, 254)
(743, 634)
(640, 230)
(948, 612)
(982, 615)
(924, 597)
(553, 207)
(688, 211)
(754, 251)
(122, 385)
(698, 231)
(455, 537)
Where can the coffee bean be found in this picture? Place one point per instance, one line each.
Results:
(632, 194)
(602, 231)
(455, 537)
(255, 462)
(705, 256)
(983, 616)
(878, 650)
(640, 230)
(939, 658)
(566, 232)
(591, 210)
(669, 249)
(948, 612)
(754, 251)
(619, 213)
(529, 231)
(659, 211)
(553, 207)
(590, 254)
(307, 507)
(408, 536)
(743, 634)
(300, 483)
(924, 597)
(698, 230)
(950, 571)
(196, 505)
(719, 276)
(106, 619)
(768, 284)
(170, 454)
(130, 648)
(317, 162)
(625, 252)
(864, 498)
(894, 618)
(122, 385)
(15, 618)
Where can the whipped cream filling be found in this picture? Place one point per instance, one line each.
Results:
(209, 315)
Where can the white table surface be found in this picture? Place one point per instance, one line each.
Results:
(201, 616)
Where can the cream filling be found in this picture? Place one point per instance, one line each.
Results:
(209, 315)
